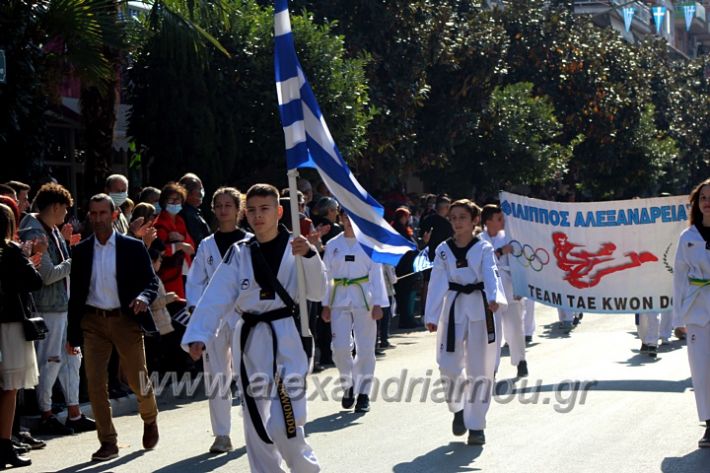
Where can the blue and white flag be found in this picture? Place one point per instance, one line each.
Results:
(628, 17)
(310, 144)
(659, 14)
(689, 13)
(422, 261)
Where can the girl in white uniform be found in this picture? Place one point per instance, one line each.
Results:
(354, 298)
(465, 292)
(267, 346)
(512, 317)
(691, 296)
(219, 372)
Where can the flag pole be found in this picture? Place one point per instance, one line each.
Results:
(296, 230)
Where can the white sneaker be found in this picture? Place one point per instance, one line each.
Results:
(222, 444)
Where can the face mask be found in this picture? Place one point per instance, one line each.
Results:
(158, 209)
(118, 198)
(173, 209)
(128, 216)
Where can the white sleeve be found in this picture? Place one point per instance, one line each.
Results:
(315, 277)
(217, 302)
(197, 277)
(681, 268)
(377, 285)
(491, 277)
(327, 262)
(436, 293)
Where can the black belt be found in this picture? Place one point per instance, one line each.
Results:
(451, 329)
(251, 321)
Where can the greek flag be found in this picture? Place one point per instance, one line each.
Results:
(310, 144)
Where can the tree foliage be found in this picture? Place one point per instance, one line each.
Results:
(218, 116)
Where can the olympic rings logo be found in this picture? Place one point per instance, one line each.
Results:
(529, 257)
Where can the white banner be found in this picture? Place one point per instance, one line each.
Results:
(608, 257)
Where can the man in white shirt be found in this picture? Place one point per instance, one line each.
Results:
(113, 285)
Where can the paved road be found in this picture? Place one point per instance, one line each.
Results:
(635, 415)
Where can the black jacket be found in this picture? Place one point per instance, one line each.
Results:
(18, 277)
(197, 227)
(134, 274)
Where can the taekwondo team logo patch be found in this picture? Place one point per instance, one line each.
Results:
(442, 255)
(210, 260)
(245, 284)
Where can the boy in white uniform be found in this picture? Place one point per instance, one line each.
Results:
(219, 372)
(465, 290)
(267, 346)
(691, 298)
(354, 298)
(511, 318)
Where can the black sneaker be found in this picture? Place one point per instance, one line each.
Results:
(348, 399)
(20, 447)
(644, 348)
(363, 403)
(528, 338)
(652, 351)
(705, 441)
(52, 426)
(476, 437)
(379, 352)
(458, 428)
(522, 369)
(35, 444)
(82, 424)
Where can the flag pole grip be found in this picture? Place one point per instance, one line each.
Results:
(296, 230)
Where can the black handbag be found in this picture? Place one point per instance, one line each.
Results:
(35, 329)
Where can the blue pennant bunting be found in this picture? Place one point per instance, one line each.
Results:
(659, 14)
(628, 17)
(689, 12)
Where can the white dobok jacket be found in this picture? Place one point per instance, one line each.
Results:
(481, 266)
(345, 259)
(691, 303)
(233, 286)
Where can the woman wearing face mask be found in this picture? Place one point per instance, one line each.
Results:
(172, 231)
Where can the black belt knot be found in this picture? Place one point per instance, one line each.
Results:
(451, 327)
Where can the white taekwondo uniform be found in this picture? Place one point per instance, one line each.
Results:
(529, 316)
(650, 327)
(691, 308)
(469, 353)
(272, 343)
(219, 371)
(511, 318)
(355, 285)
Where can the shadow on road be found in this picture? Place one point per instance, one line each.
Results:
(454, 457)
(529, 385)
(203, 463)
(694, 462)
(333, 422)
(97, 467)
(554, 330)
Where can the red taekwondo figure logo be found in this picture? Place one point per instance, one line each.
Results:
(585, 269)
